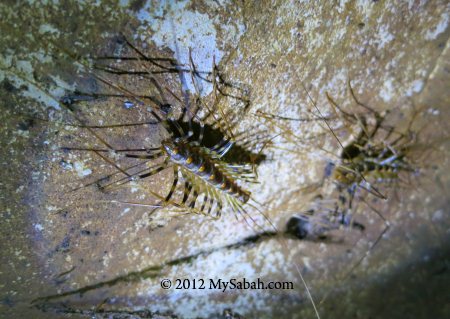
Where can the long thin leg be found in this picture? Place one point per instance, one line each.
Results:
(118, 71)
(105, 178)
(211, 202)
(82, 96)
(174, 185)
(141, 176)
(224, 149)
(106, 159)
(127, 179)
(32, 117)
(143, 56)
(187, 192)
(205, 200)
(218, 212)
(387, 226)
(194, 199)
(147, 150)
(358, 102)
(151, 156)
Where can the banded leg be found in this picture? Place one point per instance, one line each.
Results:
(174, 184)
(187, 192)
(218, 212)
(150, 156)
(205, 200)
(194, 199)
(239, 209)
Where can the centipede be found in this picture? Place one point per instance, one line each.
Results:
(377, 157)
(195, 148)
(202, 168)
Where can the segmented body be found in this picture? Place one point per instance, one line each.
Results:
(374, 163)
(378, 154)
(206, 165)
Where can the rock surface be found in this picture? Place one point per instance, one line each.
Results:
(111, 258)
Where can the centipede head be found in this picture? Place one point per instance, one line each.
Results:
(170, 147)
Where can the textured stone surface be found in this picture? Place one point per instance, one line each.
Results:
(396, 56)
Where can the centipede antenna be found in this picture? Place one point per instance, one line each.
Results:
(126, 92)
(74, 115)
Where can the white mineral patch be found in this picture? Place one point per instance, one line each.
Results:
(387, 91)
(440, 27)
(438, 215)
(25, 71)
(81, 169)
(125, 211)
(416, 87)
(384, 36)
(48, 28)
(180, 29)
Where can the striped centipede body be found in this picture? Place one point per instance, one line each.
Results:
(202, 167)
(205, 164)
